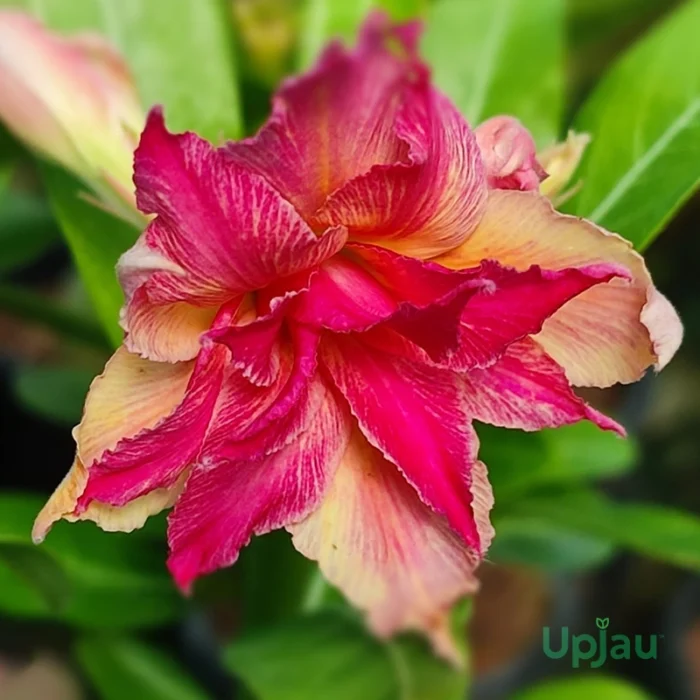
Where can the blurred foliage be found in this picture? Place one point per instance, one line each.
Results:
(634, 65)
(119, 667)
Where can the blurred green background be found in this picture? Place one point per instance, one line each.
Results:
(587, 525)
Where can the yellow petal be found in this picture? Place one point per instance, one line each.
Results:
(388, 552)
(560, 161)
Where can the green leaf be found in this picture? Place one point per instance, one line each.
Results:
(44, 311)
(519, 462)
(55, 393)
(27, 229)
(181, 56)
(96, 240)
(597, 686)
(80, 574)
(501, 57)
(329, 654)
(127, 668)
(644, 116)
(324, 20)
(656, 531)
(521, 540)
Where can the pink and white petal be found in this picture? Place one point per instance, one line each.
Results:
(226, 502)
(610, 333)
(509, 154)
(497, 305)
(130, 396)
(521, 305)
(337, 121)
(527, 389)
(414, 414)
(220, 228)
(164, 333)
(426, 206)
(127, 518)
(156, 457)
(389, 553)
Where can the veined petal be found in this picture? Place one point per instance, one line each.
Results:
(227, 501)
(414, 415)
(610, 333)
(337, 121)
(220, 229)
(427, 205)
(388, 551)
(164, 333)
(508, 151)
(156, 457)
(132, 395)
(526, 389)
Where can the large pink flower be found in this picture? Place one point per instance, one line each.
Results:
(315, 316)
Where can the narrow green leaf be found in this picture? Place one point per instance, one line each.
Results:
(127, 668)
(181, 56)
(55, 393)
(656, 531)
(38, 309)
(644, 116)
(96, 240)
(501, 57)
(597, 686)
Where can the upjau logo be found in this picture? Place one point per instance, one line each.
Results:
(597, 650)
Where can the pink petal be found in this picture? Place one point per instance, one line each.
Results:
(228, 501)
(520, 306)
(509, 154)
(427, 205)
(131, 397)
(527, 389)
(414, 415)
(337, 121)
(610, 333)
(220, 229)
(156, 457)
(387, 551)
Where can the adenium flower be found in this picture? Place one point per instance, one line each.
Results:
(315, 316)
(71, 99)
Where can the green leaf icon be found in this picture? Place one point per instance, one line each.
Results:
(602, 622)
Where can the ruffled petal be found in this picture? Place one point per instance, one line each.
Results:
(414, 415)
(167, 333)
(508, 152)
(156, 457)
(427, 205)
(228, 500)
(131, 395)
(337, 121)
(526, 389)
(220, 229)
(387, 551)
(610, 333)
